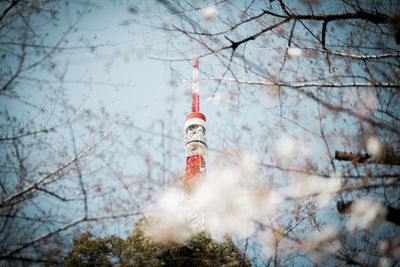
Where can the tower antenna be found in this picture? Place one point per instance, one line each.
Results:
(195, 85)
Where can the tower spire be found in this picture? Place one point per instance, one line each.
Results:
(195, 86)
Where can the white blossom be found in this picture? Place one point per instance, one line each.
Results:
(373, 145)
(170, 225)
(366, 213)
(294, 52)
(215, 99)
(210, 12)
(285, 146)
(322, 188)
(229, 200)
(384, 262)
(325, 242)
(370, 101)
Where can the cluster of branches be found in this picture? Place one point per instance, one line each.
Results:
(333, 69)
(53, 166)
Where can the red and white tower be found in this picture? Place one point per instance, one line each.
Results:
(194, 141)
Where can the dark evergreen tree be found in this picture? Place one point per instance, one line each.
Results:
(138, 250)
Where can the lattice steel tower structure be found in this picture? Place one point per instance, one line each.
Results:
(194, 140)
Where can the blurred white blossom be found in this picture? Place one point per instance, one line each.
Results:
(390, 247)
(303, 147)
(248, 163)
(350, 96)
(285, 146)
(384, 262)
(229, 200)
(383, 245)
(363, 102)
(373, 145)
(366, 213)
(325, 242)
(274, 199)
(169, 225)
(370, 101)
(210, 12)
(322, 188)
(215, 99)
(294, 52)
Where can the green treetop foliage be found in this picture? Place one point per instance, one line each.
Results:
(139, 250)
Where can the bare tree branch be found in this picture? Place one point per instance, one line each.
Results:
(9, 200)
(8, 254)
(45, 130)
(8, 8)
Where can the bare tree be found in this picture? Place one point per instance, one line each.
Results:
(321, 77)
(65, 167)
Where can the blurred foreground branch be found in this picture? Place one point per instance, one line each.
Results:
(382, 158)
